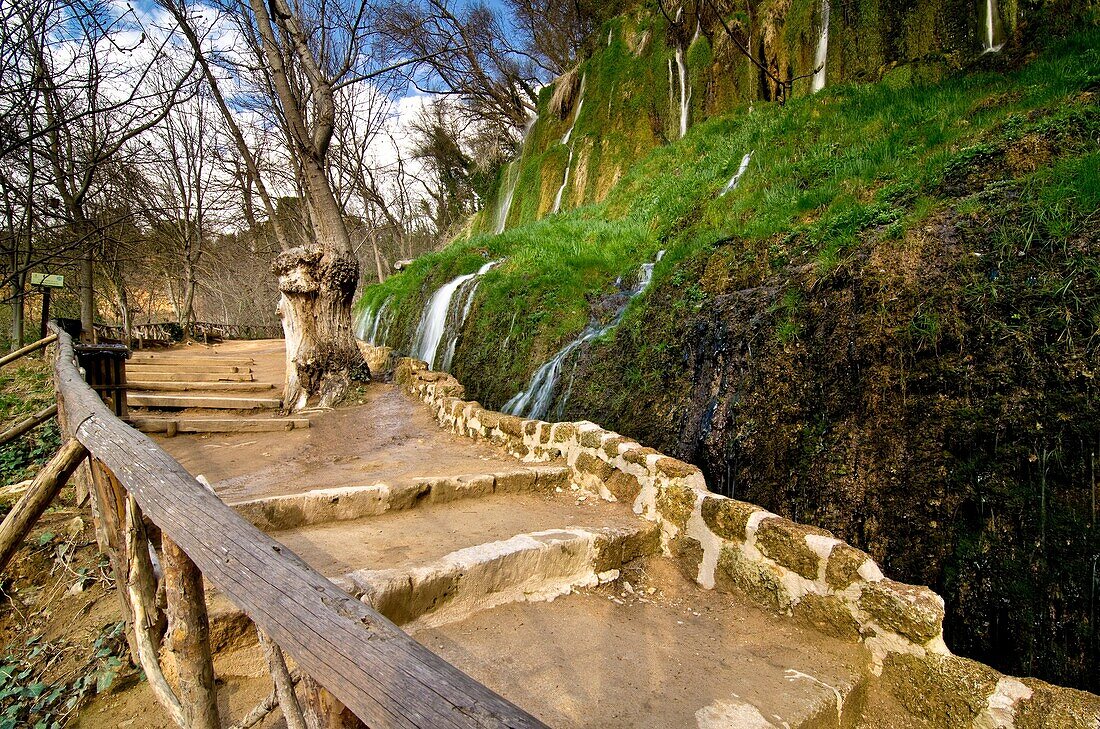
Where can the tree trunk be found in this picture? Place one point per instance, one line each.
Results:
(17, 310)
(87, 293)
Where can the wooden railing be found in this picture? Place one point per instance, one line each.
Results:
(356, 664)
(165, 332)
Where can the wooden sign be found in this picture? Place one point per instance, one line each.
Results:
(51, 280)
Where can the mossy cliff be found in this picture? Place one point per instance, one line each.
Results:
(891, 327)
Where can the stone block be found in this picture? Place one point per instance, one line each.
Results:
(515, 482)
(592, 437)
(785, 542)
(530, 428)
(564, 432)
(842, 569)
(675, 504)
(675, 468)
(624, 486)
(548, 478)
(1055, 707)
(829, 614)
(687, 552)
(511, 426)
(590, 465)
(759, 581)
(946, 691)
(488, 418)
(728, 518)
(911, 611)
(611, 445)
(637, 456)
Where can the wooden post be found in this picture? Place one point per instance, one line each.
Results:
(141, 584)
(45, 309)
(325, 710)
(41, 492)
(284, 685)
(109, 517)
(189, 633)
(25, 426)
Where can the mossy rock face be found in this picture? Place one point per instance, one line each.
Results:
(611, 445)
(676, 503)
(759, 581)
(843, 566)
(785, 542)
(728, 518)
(1054, 707)
(911, 611)
(946, 691)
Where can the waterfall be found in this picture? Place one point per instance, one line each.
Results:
(577, 114)
(736, 180)
(444, 315)
(564, 183)
(536, 399)
(685, 92)
(993, 32)
(822, 52)
(369, 323)
(511, 179)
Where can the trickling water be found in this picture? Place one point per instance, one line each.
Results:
(444, 314)
(511, 179)
(577, 114)
(536, 400)
(993, 32)
(736, 180)
(685, 92)
(564, 183)
(822, 53)
(370, 322)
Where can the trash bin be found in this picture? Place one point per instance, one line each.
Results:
(105, 372)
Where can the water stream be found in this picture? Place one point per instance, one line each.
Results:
(443, 317)
(822, 52)
(564, 183)
(511, 180)
(536, 400)
(736, 180)
(993, 32)
(685, 92)
(371, 322)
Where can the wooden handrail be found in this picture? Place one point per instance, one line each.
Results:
(377, 671)
(9, 358)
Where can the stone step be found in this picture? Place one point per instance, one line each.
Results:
(212, 402)
(153, 386)
(150, 375)
(536, 566)
(664, 653)
(217, 425)
(171, 360)
(347, 503)
(211, 368)
(411, 537)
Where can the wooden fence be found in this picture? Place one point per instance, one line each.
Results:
(167, 332)
(356, 664)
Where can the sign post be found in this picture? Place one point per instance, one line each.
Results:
(46, 282)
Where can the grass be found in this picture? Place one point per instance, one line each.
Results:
(26, 387)
(827, 172)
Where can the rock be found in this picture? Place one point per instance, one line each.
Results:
(624, 486)
(726, 517)
(590, 465)
(759, 581)
(674, 468)
(785, 542)
(911, 611)
(946, 691)
(842, 569)
(675, 503)
(828, 614)
(637, 456)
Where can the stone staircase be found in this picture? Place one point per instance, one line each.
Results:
(201, 393)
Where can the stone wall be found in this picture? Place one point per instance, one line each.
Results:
(803, 571)
(720, 542)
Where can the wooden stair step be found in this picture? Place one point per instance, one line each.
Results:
(218, 425)
(151, 400)
(142, 368)
(153, 386)
(170, 360)
(144, 376)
